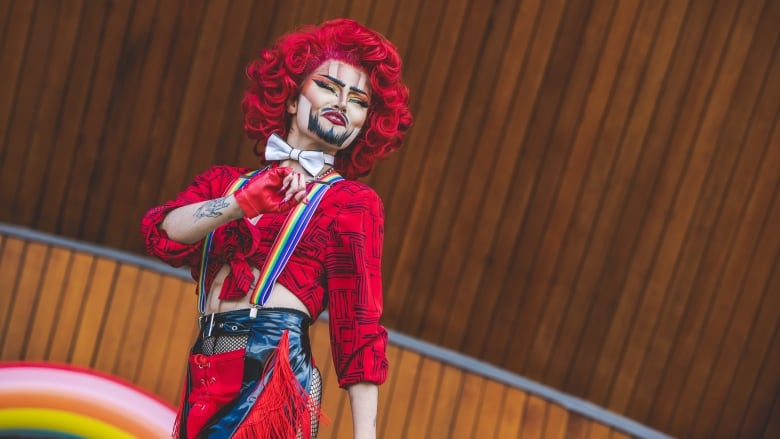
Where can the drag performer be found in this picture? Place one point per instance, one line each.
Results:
(272, 247)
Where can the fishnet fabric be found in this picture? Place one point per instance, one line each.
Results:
(315, 390)
(219, 344)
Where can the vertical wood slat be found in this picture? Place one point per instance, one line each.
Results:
(606, 255)
(760, 409)
(164, 314)
(596, 109)
(599, 431)
(752, 290)
(534, 418)
(469, 401)
(50, 108)
(596, 148)
(105, 166)
(46, 312)
(699, 248)
(512, 414)
(494, 232)
(488, 418)
(195, 95)
(549, 142)
(93, 311)
(112, 334)
(235, 147)
(164, 128)
(684, 61)
(773, 426)
(401, 393)
(463, 67)
(578, 426)
(64, 330)
(229, 65)
(694, 320)
(450, 385)
(557, 421)
(26, 106)
(731, 350)
(15, 41)
(150, 65)
(519, 166)
(321, 354)
(83, 79)
(418, 42)
(25, 295)
(88, 147)
(596, 199)
(439, 53)
(750, 377)
(734, 267)
(332, 398)
(551, 228)
(5, 12)
(446, 246)
(421, 408)
(138, 333)
(183, 331)
(404, 34)
(658, 247)
(644, 215)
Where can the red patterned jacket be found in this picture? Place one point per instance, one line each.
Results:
(337, 264)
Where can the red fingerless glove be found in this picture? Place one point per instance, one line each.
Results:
(263, 193)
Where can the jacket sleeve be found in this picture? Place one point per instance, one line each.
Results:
(354, 283)
(205, 186)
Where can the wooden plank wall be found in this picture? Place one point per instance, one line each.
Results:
(589, 196)
(65, 305)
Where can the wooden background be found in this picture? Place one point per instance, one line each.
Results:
(589, 196)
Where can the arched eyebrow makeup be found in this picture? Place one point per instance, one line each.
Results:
(341, 84)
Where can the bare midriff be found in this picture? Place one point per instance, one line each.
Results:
(280, 297)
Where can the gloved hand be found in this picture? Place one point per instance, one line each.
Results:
(275, 190)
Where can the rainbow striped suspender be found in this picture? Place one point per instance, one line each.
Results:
(282, 248)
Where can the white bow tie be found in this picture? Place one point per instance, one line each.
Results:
(312, 161)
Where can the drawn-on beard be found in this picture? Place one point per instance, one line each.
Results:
(328, 136)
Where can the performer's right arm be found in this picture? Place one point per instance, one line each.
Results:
(275, 190)
(174, 231)
(191, 223)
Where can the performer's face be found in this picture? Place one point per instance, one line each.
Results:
(332, 106)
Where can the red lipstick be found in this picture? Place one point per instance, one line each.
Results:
(335, 117)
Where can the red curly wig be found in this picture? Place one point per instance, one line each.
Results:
(276, 77)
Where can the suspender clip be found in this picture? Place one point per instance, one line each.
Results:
(210, 326)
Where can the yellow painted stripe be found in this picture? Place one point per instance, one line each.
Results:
(58, 421)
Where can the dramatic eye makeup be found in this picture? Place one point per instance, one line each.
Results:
(326, 85)
(332, 84)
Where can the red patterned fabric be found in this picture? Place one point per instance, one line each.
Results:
(336, 265)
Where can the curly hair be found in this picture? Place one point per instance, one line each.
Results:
(276, 77)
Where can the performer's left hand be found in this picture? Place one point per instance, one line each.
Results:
(294, 187)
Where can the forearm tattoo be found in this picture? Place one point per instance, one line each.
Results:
(211, 209)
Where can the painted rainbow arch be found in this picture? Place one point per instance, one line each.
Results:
(64, 401)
